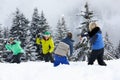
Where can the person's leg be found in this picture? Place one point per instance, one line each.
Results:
(64, 60)
(9, 58)
(57, 60)
(18, 57)
(51, 58)
(46, 57)
(40, 56)
(13, 60)
(92, 57)
(100, 57)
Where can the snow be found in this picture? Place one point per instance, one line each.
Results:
(76, 70)
(45, 71)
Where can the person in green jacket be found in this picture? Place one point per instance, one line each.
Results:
(14, 46)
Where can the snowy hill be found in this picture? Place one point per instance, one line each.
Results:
(46, 71)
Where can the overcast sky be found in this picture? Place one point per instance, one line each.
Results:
(106, 11)
(52, 8)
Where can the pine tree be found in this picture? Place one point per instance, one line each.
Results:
(1, 43)
(6, 32)
(1, 32)
(109, 52)
(38, 24)
(35, 24)
(43, 24)
(1, 39)
(61, 30)
(58, 33)
(118, 51)
(19, 27)
(82, 50)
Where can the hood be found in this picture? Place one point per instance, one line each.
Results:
(94, 31)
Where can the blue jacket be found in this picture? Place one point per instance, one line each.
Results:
(68, 41)
(97, 41)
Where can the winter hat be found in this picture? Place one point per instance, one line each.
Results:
(47, 34)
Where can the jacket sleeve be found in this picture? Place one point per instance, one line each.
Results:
(51, 46)
(93, 39)
(18, 42)
(8, 46)
(37, 40)
(71, 49)
(85, 35)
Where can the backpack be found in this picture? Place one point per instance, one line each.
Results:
(62, 49)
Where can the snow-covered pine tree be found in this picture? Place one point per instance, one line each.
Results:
(58, 33)
(38, 24)
(61, 30)
(2, 43)
(19, 27)
(35, 24)
(6, 32)
(82, 50)
(35, 27)
(1, 39)
(118, 51)
(44, 26)
(109, 52)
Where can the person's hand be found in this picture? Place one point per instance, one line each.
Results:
(80, 37)
(5, 42)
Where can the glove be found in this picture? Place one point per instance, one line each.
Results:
(49, 53)
(5, 42)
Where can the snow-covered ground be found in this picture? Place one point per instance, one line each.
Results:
(46, 71)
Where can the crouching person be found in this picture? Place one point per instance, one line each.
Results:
(14, 46)
(62, 50)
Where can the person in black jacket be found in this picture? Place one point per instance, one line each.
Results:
(97, 44)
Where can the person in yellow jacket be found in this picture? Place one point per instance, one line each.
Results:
(47, 46)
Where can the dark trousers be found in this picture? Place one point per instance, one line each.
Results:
(96, 54)
(16, 58)
(48, 57)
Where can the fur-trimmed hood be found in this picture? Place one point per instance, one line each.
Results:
(94, 31)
